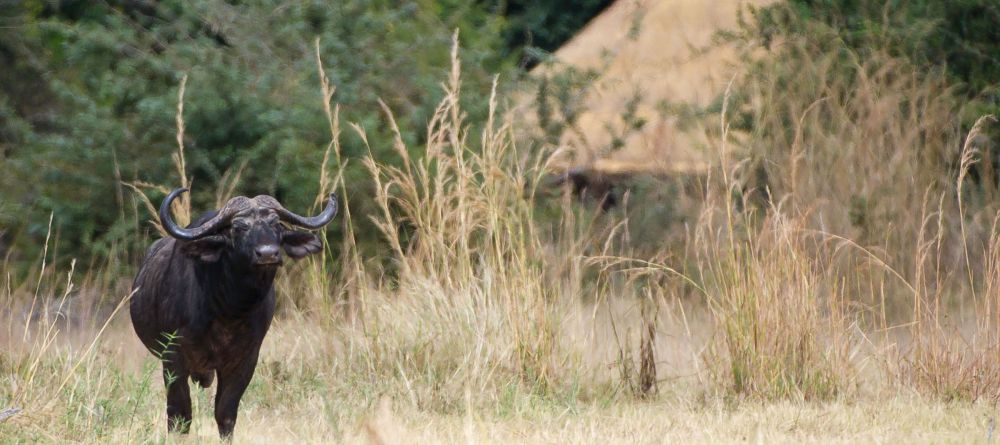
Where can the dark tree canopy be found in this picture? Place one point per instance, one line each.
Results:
(89, 89)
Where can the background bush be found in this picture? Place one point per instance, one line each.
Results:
(89, 90)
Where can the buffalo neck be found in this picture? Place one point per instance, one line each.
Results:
(234, 289)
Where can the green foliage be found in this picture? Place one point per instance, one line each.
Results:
(961, 35)
(89, 89)
(957, 36)
(543, 25)
(89, 100)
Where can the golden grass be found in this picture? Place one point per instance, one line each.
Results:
(303, 393)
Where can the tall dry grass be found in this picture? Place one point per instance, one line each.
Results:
(474, 306)
(859, 166)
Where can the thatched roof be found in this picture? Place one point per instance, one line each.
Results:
(651, 53)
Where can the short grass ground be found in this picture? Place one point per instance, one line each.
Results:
(115, 395)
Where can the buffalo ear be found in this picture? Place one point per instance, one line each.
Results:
(207, 249)
(299, 244)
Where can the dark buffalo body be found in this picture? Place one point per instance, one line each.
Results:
(204, 297)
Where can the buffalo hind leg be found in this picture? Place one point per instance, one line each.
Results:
(178, 401)
(232, 383)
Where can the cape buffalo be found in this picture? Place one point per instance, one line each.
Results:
(204, 296)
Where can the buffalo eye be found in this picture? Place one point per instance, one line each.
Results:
(207, 249)
(240, 227)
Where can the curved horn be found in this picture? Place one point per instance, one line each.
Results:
(308, 222)
(191, 234)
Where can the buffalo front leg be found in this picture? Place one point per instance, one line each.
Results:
(232, 383)
(178, 401)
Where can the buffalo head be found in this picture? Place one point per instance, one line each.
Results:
(248, 231)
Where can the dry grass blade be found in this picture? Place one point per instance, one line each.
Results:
(8, 413)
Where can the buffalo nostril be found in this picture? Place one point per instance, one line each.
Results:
(267, 252)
